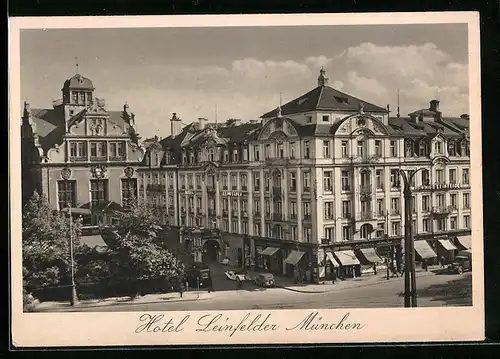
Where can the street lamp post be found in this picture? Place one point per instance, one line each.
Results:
(74, 296)
(410, 280)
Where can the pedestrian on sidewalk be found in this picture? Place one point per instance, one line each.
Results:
(442, 261)
(181, 287)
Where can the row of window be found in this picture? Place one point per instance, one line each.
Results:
(290, 150)
(346, 179)
(99, 191)
(81, 97)
(99, 149)
(428, 226)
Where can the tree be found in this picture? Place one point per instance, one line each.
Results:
(45, 244)
(137, 250)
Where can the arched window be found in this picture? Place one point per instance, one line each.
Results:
(366, 230)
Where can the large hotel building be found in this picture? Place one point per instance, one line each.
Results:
(313, 185)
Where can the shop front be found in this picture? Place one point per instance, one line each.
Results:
(350, 267)
(369, 259)
(331, 266)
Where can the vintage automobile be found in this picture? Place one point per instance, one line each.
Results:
(239, 276)
(461, 263)
(265, 280)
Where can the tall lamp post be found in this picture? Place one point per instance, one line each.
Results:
(410, 281)
(74, 296)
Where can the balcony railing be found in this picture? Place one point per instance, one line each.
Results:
(441, 210)
(306, 190)
(98, 158)
(155, 187)
(365, 215)
(346, 188)
(293, 189)
(244, 188)
(307, 217)
(78, 158)
(278, 217)
(256, 188)
(117, 158)
(395, 212)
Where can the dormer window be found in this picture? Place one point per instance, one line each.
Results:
(438, 148)
(235, 156)
(211, 155)
(75, 97)
(226, 156)
(422, 149)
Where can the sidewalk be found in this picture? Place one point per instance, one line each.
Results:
(282, 283)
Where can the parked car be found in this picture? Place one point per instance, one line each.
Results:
(238, 276)
(265, 280)
(461, 263)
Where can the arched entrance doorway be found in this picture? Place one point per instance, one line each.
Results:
(366, 230)
(211, 248)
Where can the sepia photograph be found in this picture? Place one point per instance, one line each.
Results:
(210, 170)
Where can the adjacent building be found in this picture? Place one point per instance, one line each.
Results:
(314, 183)
(79, 154)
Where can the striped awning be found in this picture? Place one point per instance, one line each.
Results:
(269, 251)
(446, 243)
(371, 255)
(424, 250)
(347, 258)
(294, 257)
(332, 259)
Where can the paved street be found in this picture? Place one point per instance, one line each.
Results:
(434, 290)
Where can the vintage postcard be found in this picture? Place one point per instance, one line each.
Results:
(246, 179)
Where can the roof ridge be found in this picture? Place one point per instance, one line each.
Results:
(320, 96)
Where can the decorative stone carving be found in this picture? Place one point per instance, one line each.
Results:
(361, 122)
(277, 136)
(128, 171)
(65, 173)
(98, 171)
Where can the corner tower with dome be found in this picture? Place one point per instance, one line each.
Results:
(79, 154)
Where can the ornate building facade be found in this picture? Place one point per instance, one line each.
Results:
(315, 183)
(79, 154)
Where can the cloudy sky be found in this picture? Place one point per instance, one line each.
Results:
(242, 71)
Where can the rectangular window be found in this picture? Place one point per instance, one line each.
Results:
(345, 180)
(395, 205)
(345, 149)
(306, 209)
(293, 182)
(306, 178)
(346, 233)
(326, 118)
(361, 148)
(234, 182)
(98, 191)
(267, 151)
(256, 152)
(427, 225)
(244, 227)
(328, 210)
(306, 150)
(394, 149)
(380, 207)
(73, 152)
(425, 203)
(329, 232)
(292, 150)
(453, 222)
(327, 181)
(466, 204)
(256, 229)
(465, 176)
(307, 234)
(452, 176)
(441, 224)
(378, 148)
(280, 150)
(293, 209)
(244, 181)
(66, 192)
(75, 97)
(395, 180)
(396, 228)
(467, 221)
(234, 225)
(326, 149)
(379, 178)
(439, 177)
(440, 200)
(438, 148)
(129, 191)
(346, 209)
(453, 200)
(294, 233)
(256, 181)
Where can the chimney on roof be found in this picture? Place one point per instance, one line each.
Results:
(322, 79)
(434, 105)
(175, 125)
(201, 123)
